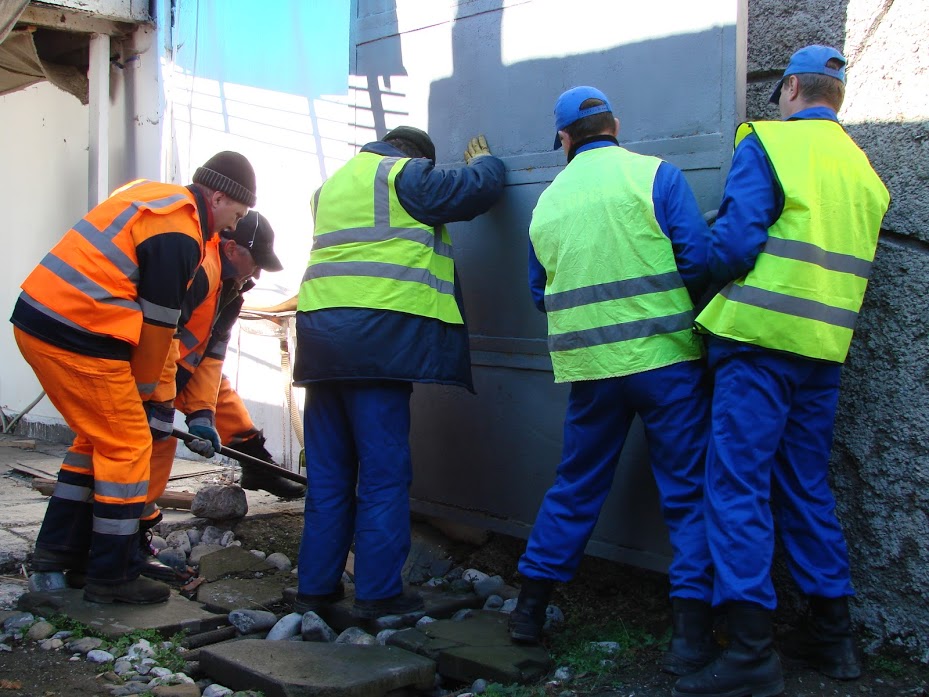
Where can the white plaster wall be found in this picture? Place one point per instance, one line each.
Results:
(44, 145)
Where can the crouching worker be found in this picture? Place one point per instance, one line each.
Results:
(95, 321)
(194, 373)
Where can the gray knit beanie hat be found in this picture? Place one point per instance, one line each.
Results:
(230, 173)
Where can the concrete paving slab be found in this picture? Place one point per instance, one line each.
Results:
(310, 669)
(477, 647)
(13, 549)
(231, 561)
(244, 593)
(118, 619)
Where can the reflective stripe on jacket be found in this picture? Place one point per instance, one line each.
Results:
(614, 299)
(376, 256)
(198, 314)
(89, 280)
(808, 283)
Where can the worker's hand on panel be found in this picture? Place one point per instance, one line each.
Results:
(160, 419)
(477, 147)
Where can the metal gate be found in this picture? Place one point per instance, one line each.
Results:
(674, 71)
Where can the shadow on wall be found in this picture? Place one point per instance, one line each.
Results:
(493, 456)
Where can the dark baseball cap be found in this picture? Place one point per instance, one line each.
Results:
(254, 232)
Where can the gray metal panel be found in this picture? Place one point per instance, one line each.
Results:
(488, 459)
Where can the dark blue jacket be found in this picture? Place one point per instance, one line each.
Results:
(363, 344)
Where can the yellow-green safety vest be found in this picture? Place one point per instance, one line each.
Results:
(808, 283)
(368, 252)
(615, 301)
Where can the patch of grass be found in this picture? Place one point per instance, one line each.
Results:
(888, 665)
(578, 646)
(78, 630)
(495, 689)
(165, 656)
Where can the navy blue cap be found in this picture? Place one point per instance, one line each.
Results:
(568, 108)
(811, 59)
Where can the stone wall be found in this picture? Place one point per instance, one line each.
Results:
(880, 464)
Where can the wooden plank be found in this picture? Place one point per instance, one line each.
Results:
(22, 443)
(181, 500)
(52, 471)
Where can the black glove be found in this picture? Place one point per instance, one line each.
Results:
(160, 417)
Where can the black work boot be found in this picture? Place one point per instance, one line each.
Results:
(824, 639)
(139, 591)
(400, 604)
(304, 603)
(255, 478)
(151, 566)
(50, 561)
(748, 667)
(692, 644)
(527, 620)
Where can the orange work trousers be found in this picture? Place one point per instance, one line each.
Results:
(103, 481)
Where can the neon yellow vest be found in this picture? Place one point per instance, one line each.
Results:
(808, 283)
(368, 252)
(615, 302)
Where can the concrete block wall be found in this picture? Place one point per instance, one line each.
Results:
(880, 464)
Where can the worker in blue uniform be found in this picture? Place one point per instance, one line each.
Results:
(792, 247)
(379, 308)
(617, 249)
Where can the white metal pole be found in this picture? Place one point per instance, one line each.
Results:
(98, 75)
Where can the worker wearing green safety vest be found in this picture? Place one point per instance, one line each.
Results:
(791, 250)
(379, 308)
(376, 257)
(617, 252)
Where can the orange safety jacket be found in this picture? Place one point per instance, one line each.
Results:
(113, 285)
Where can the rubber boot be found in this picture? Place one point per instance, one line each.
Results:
(749, 667)
(824, 639)
(255, 478)
(692, 644)
(528, 619)
(151, 566)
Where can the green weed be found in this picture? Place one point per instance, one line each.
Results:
(579, 646)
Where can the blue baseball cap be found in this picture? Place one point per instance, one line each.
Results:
(811, 59)
(568, 108)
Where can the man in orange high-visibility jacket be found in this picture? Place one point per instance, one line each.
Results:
(192, 380)
(95, 321)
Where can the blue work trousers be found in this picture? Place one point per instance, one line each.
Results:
(673, 403)
(767, 467)
(358, 470)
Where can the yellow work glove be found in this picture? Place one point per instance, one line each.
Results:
(476, 148)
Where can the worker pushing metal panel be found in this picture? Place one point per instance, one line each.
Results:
(674, 72)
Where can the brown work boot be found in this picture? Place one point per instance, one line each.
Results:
(139, 591)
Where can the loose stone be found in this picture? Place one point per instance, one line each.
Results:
(280, 561)
(40, 631)
(287, 626)
(100, 656)
(252, 621)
